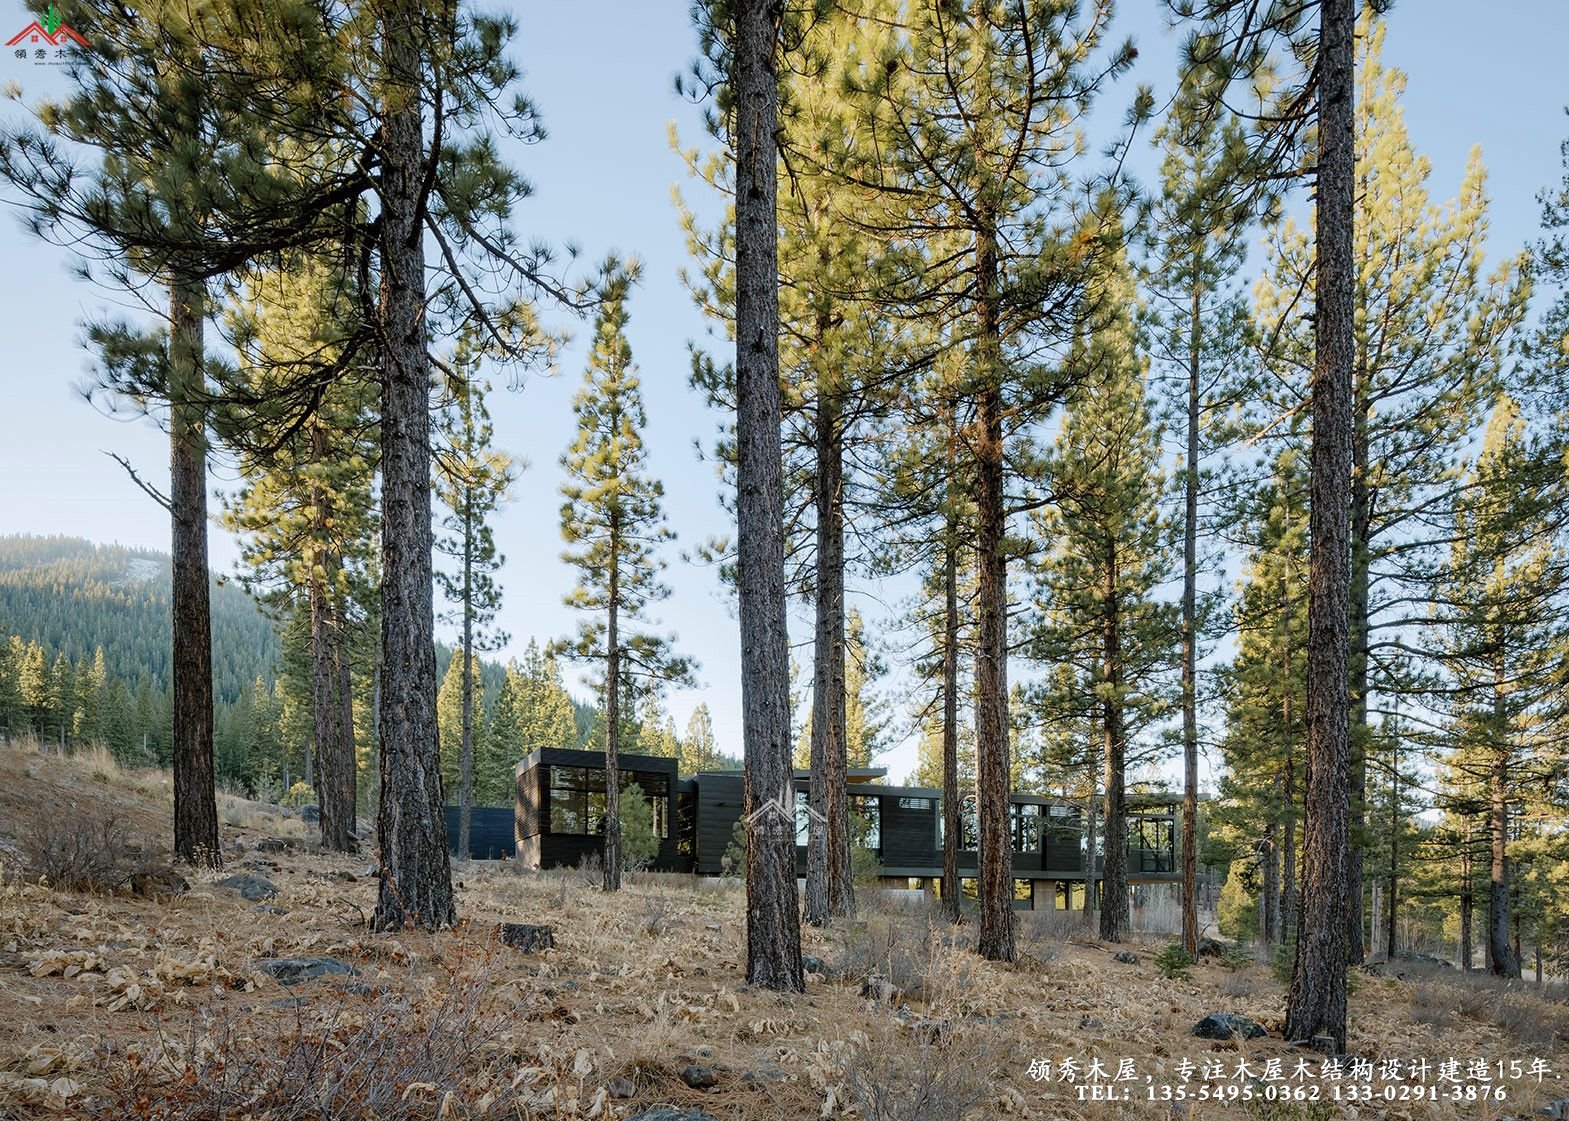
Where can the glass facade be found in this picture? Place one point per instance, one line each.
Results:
(577, 798)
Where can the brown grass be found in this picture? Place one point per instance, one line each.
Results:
(122, 1006)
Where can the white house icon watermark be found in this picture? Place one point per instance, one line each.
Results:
(780, 811)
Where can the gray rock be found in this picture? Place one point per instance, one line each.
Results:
(877, 987)
(291, 971)
(252, 888)
(671, 1113)
(1126, 957)
(156, 882)
(1090, 1023)
(699, 1078)
(620, 1088)
(273, 844)
(1559, 1110)
(269, 909)
(310, 814)
(813, 964)
(526, 937)
(766, 1072)
(1228, 1025)
(931, 1032)
(1211, 948)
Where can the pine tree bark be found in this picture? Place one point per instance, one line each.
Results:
(195, 800)
(829, 892)
(1467, 904)
(415, 878)
(1190, 727)
(613, 713)
(1114, 882)
(1316, 1005)
(1361, 733)
(995, 840)
(950, 718)
(331, 718)
(466, 748)
(1502, 959)
(773, 928)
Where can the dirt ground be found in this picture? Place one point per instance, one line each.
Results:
(124, 1005)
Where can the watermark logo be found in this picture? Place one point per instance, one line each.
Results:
(780, 811)
(45, 38)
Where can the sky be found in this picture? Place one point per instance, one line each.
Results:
(602, 74)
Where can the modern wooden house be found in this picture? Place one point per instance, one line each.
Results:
(560, 812)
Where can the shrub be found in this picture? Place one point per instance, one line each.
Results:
(79, 851)
(639, 841)
(300, 794)
(1174, 963)
(734, 860)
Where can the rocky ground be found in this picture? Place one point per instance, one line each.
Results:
(260, 991)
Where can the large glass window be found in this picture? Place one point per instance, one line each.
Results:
(866, 821)
(577, 798)
(1026, 827)
(970, 823)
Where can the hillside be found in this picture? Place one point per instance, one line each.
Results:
(72, 596)
(170, 1006)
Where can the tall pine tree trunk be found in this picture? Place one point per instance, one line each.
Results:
(828, 886)
(1501, 956)
(1190, 727)
(1114, 882)
(952, 826)
(1361, 733)
(195, 800)
(1317, 1002)
(1467, 903)
(613, 714)
(773, 927)
(995, 840)
(1091, 873)
(466, 748)
(415, 880)
(331, 718)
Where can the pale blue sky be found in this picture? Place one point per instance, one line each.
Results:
(602, 76)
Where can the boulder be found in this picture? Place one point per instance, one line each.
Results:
(526, 937)
(252, 888)
(1228, 1025)
(291, 971)
(1559, 1110)
(160, 881)
(877, 987)
(1126, 957)
(813, 964)
(698, 1077)
(310, 814)
(273, 844)
(1211, 948)
(620, 1088)
(671, 1113)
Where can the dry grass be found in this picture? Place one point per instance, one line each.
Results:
(122, 1006)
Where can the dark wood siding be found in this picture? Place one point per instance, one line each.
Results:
(719, 798)
(490, 832)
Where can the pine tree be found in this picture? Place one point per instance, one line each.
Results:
(1110, 550)
(1200, 322)
(305, 508)
(1429, 346)
(473, 481)
(613, 523)
(1503, 610)
(700, 751)
(976, 108)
